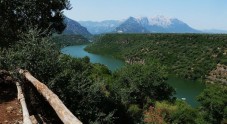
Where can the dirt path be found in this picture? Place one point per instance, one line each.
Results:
(10, 109)
(10, 113)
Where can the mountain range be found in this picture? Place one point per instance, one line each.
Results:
(158, 24)
(73, 27)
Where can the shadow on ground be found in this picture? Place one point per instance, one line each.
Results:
(8, 90)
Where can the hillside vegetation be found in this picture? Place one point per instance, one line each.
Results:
(69, 40)
(190, 56)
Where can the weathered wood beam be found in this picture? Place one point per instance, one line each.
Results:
(26, 119)
(63, 113)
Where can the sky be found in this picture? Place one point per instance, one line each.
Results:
(199, 14)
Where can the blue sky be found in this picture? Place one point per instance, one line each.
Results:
(200, 14)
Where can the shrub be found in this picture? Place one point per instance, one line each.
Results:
(153, 116)
(142, 84)
(179, 112)
(34, 53)
(214, 103)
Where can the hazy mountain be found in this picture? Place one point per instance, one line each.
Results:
(159, 24)
(73, 27)
(100, 27)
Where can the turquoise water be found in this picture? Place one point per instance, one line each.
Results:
(185, 89)
(78, 51)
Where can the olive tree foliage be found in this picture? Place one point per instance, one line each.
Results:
(17, 15)
(138, 86)
(141, 84)
(36, 54)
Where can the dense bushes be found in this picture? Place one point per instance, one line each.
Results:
(139, 86)
(35, 53)
(178, 112)
(214, 104)
(81, 92)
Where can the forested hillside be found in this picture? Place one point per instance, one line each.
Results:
(69, 40)
(190, 56)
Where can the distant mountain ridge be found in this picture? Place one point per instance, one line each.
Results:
(73, 27)
(131, 25)
(100, 27)
(158, 24)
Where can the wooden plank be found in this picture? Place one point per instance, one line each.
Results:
(62, 111)
(26, 119)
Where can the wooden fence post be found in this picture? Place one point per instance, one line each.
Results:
(63, 113)
(26, 119)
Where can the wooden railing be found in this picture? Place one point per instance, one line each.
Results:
(21, 98)
(62, 111)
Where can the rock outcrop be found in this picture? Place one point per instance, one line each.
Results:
(219, 75)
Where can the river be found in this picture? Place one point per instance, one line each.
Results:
(185, 89)
(78, 51)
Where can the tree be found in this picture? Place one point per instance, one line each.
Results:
(184, 114)
(214, 103)
(138, 86)
(17, 15)
(139, 83)
(37, 54)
